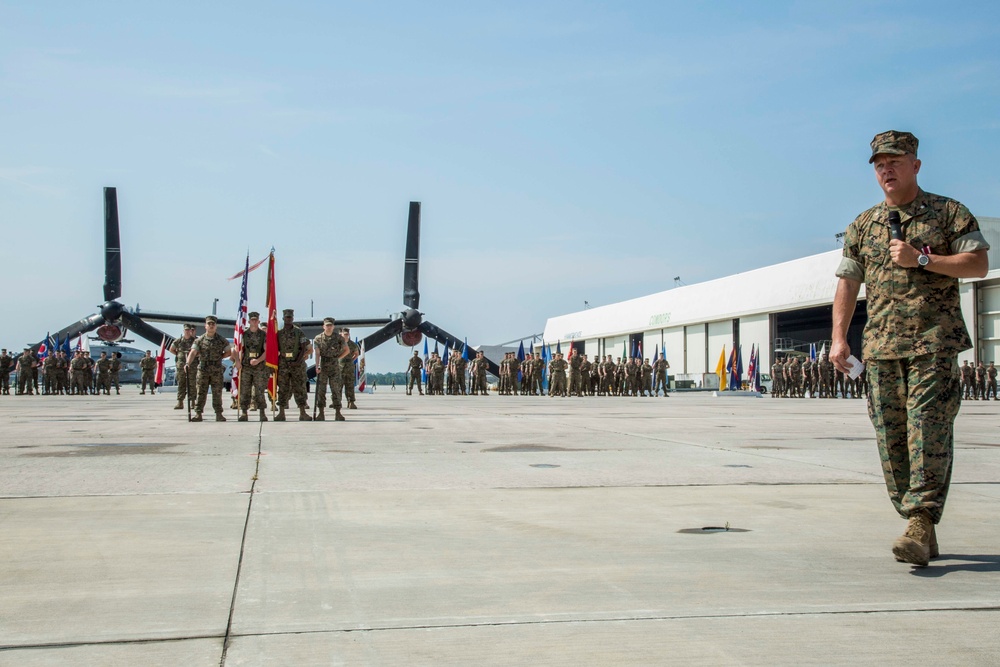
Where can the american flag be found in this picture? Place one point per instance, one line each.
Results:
(161, 360)
(241, 325)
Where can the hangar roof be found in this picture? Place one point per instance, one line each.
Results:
(800, 283)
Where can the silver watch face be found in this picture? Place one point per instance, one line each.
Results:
(923, 260)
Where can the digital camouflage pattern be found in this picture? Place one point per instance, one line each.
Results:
(911, 312)
(210, 371)
(253, 379)
(292, 379)
(329, 373)
(915, 442)
(180, 349)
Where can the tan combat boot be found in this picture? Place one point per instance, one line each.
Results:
(263, 415)
(914, 545)
(339, 417)
(321, 417)
(179, 406)
(352, 405)
(197, 417)
(304, 416)
(243, 416)
(219, 417)
(281, 415)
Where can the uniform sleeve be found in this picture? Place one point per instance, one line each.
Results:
(965, 232)
(850, 264)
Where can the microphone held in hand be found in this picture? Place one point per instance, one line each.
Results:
(895, 228)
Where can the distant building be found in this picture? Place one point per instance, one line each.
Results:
(778, 309)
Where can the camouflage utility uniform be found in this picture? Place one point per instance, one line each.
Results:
(912, 339)
(211, 351)
(253, 379)
(329, 351)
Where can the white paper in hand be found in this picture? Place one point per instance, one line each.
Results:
(857, 368)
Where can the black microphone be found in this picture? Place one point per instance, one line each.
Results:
(895, 228)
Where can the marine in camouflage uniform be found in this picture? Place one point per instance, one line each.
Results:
(991, 382)
(293, 348)
(980, 390)
(78, 368)
(104, 374)
(180, 349)
(49, 371)
(479, 368)
(914, 333)
(6, 364)
(460, 365)
(660, 368)
(348, 369)
(148, 366)
(413, 369)
(557, 376)
(825, 376)
(437, 374)
(24, 365)
(330, 349)
(208, 350)
(647, 379)
(252, 370)
(116, 367)
(807, 369)
(966, 373)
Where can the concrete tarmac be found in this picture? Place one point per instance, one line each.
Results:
(483, 531)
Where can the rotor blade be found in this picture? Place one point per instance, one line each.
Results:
(112, 247)
(411, 267)
(136, 325)
(373, 340)
(437, 333)
(86, 325)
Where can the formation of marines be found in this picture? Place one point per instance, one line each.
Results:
(576, 376)
(792, 377)
(979, 382)
(61, 374)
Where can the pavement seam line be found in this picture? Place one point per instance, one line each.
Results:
(243, 546)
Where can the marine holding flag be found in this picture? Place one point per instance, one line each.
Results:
(253, 371)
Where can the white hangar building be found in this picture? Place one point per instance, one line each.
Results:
(778, 309)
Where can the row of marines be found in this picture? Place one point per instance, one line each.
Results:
(577, 376)
(791, 378)
(61, 374)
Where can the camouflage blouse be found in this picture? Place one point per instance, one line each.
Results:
(911, 311)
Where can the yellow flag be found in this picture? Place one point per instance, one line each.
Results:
(720, 370)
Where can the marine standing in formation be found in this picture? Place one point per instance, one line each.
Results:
(330, 349)
(148, 366)
(914, 333)
(252, 369)
(293, 348)
(413, 369)
(25, 364)
(6, 363)
(348, 368)
(208, 350)
(180, 348)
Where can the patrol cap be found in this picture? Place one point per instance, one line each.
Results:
(344, 330)
(326, 320)
(253, 314)
(211, 318)
(893, 142)
(288, 312)
(189, 327)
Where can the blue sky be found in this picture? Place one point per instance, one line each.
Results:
(563, 151)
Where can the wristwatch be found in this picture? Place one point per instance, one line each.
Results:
(923, 260)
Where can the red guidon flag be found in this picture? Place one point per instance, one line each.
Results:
(271, 341)
(161, 359)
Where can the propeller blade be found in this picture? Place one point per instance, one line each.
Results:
(373, 340)
(411, 267)
(86, 325)
(112, 247)
(437, 333)
(136, 325)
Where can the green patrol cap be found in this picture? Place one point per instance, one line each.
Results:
(253, 314)
(288, 312)
(189, 327)
(329, 320)
(211, 318)
(893, 142)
